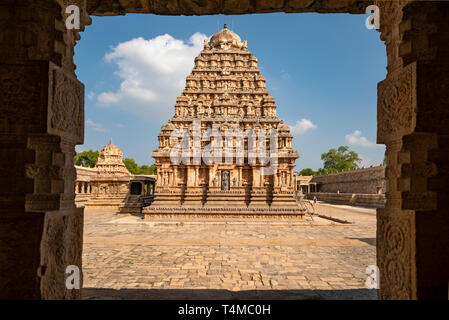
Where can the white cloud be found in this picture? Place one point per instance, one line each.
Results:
(366, 162)
(105, 98)
(356, 139)
(302, 126)
(91, 95)
(285, 75)
(153, 74)
(79, 148)
(95, 126)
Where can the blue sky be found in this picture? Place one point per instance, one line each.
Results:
(322, 70)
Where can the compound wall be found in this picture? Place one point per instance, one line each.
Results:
(365, 181)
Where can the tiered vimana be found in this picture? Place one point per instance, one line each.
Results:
(225, 91)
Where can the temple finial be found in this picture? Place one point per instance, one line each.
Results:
(110, 141)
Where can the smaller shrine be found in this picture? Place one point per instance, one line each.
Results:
(109, 183)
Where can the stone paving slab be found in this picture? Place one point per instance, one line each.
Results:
(351, 214)
(126, 257)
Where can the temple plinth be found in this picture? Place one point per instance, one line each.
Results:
(225, 92)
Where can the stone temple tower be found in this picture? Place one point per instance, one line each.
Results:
(225, 91)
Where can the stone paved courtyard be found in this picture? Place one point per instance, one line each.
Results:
(126, 257)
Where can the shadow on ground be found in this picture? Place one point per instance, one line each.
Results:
(218, 294)
(370, 241)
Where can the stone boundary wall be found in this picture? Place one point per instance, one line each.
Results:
(83, 175)
(353, 199)
(365, 181)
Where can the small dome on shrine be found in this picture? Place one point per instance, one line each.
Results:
(168, 126)
(225, 37)
(283, 127)
(110, 161)
(111, 149)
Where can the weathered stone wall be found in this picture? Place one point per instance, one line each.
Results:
(367, 181)
(353, 199)
(83, 178)
(85, 174)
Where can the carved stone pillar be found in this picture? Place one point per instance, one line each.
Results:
(191, 176)
(256, 176)
(290, 184)
(240, 176)
(42, 117)
(175, 176)
(197, 176)
(413, 114)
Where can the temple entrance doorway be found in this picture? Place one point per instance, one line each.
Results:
(228, 258)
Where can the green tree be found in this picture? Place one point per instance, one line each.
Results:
(341, 159)
(307, 172)
(148, 169)
(86, 158)
(134, 168)
(131, 165)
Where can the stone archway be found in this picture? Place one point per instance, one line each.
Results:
(42, 117)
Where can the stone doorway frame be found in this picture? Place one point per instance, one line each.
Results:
(40, 227)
